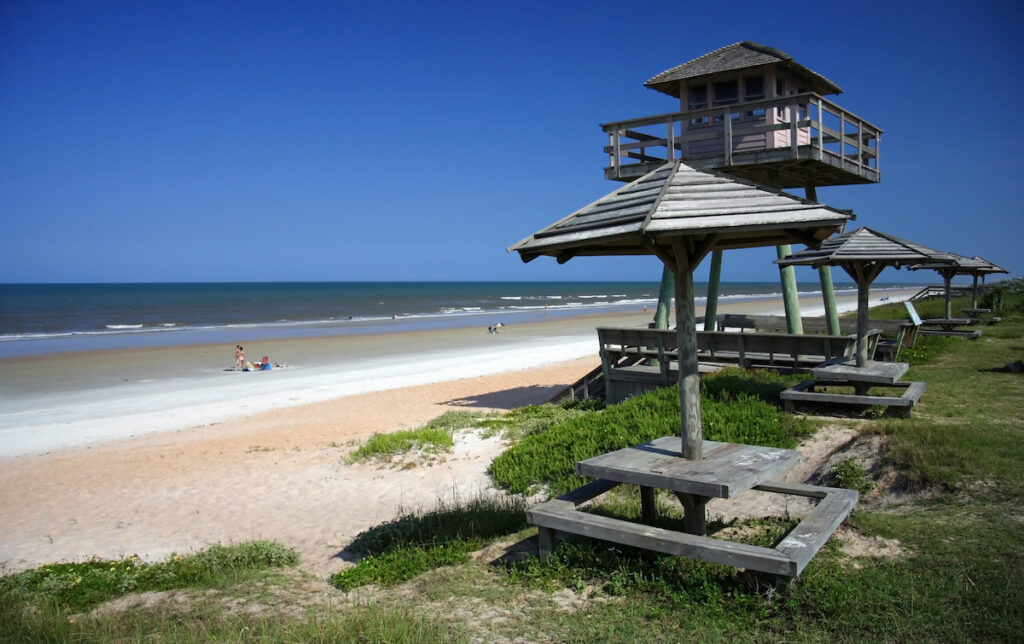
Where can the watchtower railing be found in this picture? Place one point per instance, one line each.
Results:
(802, 126)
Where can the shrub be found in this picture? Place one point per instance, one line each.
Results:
(548, 458)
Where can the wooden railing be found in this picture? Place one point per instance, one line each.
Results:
(807, 125)
(940, 291)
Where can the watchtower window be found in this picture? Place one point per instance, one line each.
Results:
(726, 93)
(698, 101)
(753, 88)
(698, 97)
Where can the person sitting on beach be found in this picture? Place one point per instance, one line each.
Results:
(265, 364)
(239, 357)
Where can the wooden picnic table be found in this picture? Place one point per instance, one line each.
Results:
(873, 373)
(949, 324)
(976, 312)
(727, 470)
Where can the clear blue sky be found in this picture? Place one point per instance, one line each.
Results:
(223, 141)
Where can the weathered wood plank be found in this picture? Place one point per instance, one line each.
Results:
(874, 372)
(788, 558)
(804, 392)
(556, 516)
(807, 538)
(726, 470)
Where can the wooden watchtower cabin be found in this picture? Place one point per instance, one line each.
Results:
(755, 113)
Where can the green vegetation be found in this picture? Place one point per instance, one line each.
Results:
(730, 413)
(940, 549)
(849, 474)
(433, 438)
(417, 542)
(80, 586)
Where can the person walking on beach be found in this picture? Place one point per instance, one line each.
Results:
(239, 357)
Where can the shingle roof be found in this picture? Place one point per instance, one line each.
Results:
(676, 200)
(866, 245)
(742, 55)
(991, 268)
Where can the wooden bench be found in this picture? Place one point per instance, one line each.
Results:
(635, 360)
(892, 335)
(788, 558)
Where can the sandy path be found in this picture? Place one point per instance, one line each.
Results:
(277, 476)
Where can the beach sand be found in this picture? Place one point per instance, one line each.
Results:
(229, 467)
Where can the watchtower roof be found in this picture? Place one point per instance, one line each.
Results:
(742, 55)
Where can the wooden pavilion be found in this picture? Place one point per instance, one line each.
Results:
(680, 213)
(863, 254)
(960, 265)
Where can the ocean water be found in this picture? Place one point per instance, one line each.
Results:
(49, 318)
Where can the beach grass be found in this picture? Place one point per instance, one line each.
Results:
(433, 438)
(941, 536)
(737, 407)
(416, 542)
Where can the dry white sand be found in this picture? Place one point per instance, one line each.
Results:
(278, 474)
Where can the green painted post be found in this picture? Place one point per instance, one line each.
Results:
(828, 296)
(828, 292)
(789, 295)
(714, 282)
(664, 299)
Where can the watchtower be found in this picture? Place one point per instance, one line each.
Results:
(755, 113)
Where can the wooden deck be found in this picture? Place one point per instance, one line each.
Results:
(635, 360)
(826, 144)
(893, 335)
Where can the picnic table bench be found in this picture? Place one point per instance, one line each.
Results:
(861, 379)
(726, 470)
(948, 327)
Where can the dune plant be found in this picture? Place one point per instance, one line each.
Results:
(80, 586)
(416, 542)
(548, 458)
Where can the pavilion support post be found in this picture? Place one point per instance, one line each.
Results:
(828, 297)
(664, 299)
(828, 292)
(691, 432)
(789, 293)
(862, 320)
(946, 275)
(974, 293)
(714, 284)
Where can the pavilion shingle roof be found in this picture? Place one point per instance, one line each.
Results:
(990, 268)
(956, 263)
(742, 55)
(676, 200)
(867, 245)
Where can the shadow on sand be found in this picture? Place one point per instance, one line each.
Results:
(510, 398)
